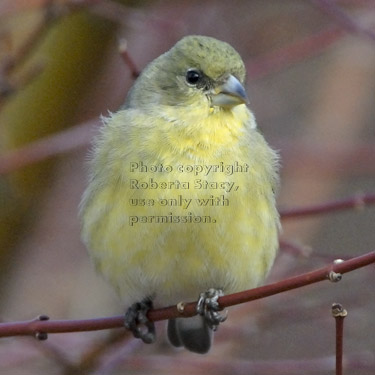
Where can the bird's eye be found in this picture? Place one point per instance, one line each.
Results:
(193, 76)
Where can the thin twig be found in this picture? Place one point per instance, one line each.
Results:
(121, 353)
(9, 7)
(342, 19)
(324, 159)
(359, 201)
(90, 359)
(9, 84)
(123, 49)
(295, 52)
(339, 313)
(59, 357)
(295, 249)
(355, 160)
(39, 328)
(44, 148)
(34, 38)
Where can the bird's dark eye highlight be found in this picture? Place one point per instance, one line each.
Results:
(193, 76)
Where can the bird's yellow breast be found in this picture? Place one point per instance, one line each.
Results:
(167, 214)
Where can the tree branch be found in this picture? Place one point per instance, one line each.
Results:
(282, 58)
(40, 326)
(339, 313)
(46, 147)
(357, 202)
(344, 20)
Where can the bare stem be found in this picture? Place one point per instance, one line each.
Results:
(342, 19)
(339, 313)
(285, 56)
(123, 49)
(41, 326)
(44, 148)
(357, 202)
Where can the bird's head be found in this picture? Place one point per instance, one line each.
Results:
(197, 69)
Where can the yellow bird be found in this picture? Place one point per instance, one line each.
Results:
(181, 197)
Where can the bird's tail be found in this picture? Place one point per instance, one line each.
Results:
(192, 333)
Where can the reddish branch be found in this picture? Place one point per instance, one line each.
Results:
(123, 49)
(322, 159)
(344, 20)
(8, 7)
(295, 249)
(295, 155)
(358, 202)
(339, 313)
(14, 59)
(40, 326)
(291, 54)
(44, 148)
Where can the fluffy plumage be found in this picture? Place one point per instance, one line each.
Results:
(167, 120)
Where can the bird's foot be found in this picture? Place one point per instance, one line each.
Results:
(136, 321)
(209, 308)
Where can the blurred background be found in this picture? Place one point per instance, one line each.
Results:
(311, 83)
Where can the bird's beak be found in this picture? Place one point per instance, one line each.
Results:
(230, 93)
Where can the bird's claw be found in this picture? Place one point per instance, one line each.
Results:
(136, 321)
(208, 306)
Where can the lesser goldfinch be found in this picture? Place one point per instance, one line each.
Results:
(181, 197)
